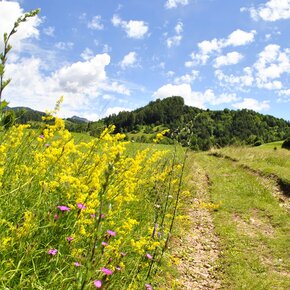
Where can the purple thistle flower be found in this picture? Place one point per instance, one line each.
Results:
(111, 233)
(47, 145)
(81, 206)
(92, 215)
(69, 239)
(107, 271)
(41, 136)
(104, 244)
(77, 264)
(52, 252)
(98, 283)
(56, 217)
(63, 208)
(148, 287)
(149, 256)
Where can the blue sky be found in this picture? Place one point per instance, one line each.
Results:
(107, 56)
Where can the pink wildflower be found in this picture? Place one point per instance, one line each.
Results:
(69, 239)
(104, 244)
(148, 287)
(98, 283)
(47, 145)
(81, 206)
(92, 215)
(52, 252)
(63, 208)
(77, 264)
(107, 271)
(41, 136)
(149, 256)
(123, 254)
(56, 217)
(118, 268)
(111, 233)
(102, 216)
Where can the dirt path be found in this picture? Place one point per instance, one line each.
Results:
(250, 251)
(197, 249)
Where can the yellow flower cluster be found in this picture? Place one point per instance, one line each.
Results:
(93, 202)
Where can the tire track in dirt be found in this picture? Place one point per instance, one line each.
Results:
(279, 188)
(197, 250)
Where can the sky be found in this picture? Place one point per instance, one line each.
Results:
(109, 56)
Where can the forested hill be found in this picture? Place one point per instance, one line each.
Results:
(202, 129)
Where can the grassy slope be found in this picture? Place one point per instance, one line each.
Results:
(252, 227)
(263, 158)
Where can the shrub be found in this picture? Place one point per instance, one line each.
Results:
(258, 143)
(286, 144)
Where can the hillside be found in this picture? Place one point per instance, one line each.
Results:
(199, 129)
(202, 129)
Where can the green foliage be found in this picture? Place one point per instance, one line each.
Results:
(286, 144)
(202, 129)
(8, 119)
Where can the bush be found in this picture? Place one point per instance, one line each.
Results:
(286, 144)
(258, 143)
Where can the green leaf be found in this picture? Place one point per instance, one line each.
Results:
(5, 37)
(2, 68)
(9, 46)
(5, 83)
(3, 104)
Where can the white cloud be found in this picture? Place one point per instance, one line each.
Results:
(175, 3)
(115, 110)
(81, 84)
(252, 104)
(187, 78)
(236, 38)
(272, 10)
(208, 47)
(179, 27)
(115, 87)
(176, 39)
(87, 54)
(170, 74)
(49, 31)
(96, 23)
(173, 41)
(271, 64)
(228, 59)
(239, 82)
(80, 76)
(284, 92)
(106, 48)
(265, 73)
(240, 37)
(9, 12)
(108, 97)
(134, 28)
(64, 45)
(193, 98)
(129, 60)
(197, 59)
(284, 96)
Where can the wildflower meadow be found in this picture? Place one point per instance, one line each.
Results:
(83, 215)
